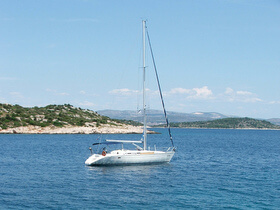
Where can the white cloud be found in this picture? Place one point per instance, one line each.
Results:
(240, 96)
(179, 91)
(87, 103)
(123, 92)
(194, 93)
(244, 93)
(229, 91)
(202, 93)
(253, 100)
(180, 94)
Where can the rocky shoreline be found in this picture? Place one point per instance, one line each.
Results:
(104, 129)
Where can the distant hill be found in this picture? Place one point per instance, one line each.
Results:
(156, 117)
(12, 116)
(233, 123)
(275, 121)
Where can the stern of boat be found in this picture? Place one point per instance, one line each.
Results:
(93, 159)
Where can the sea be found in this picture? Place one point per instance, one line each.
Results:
(211, 169)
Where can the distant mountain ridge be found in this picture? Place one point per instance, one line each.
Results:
(275, 121)
(157, 117)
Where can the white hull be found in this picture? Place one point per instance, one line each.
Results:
(130, 157)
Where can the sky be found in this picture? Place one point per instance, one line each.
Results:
(211, 55)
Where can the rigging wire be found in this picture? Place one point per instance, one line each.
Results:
(155, 68)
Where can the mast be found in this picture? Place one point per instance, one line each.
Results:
(144, 87)
(164, 110)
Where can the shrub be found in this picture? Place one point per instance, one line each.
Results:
(57, 124)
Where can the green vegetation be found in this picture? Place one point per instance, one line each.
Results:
(128, 122)
(52, 115)
(233, 123)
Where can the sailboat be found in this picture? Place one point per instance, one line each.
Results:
(140, 154)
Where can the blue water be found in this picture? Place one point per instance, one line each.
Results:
(212, 169)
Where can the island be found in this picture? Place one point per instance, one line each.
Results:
(228, 123)
(60, 119)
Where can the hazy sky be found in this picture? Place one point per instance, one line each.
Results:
(212, 55)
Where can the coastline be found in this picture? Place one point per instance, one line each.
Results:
(106, 129)
(225, 128)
